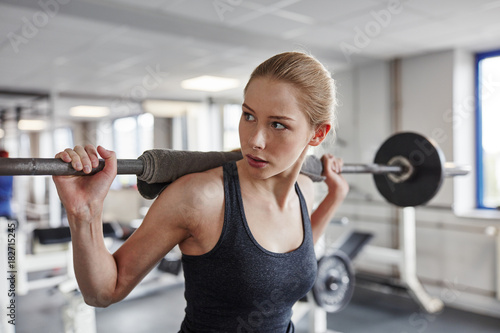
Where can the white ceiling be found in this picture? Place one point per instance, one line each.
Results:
(111, 47)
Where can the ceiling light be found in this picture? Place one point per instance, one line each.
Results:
(169, 109)
(210, 83)
(89, 111)
(31, 124)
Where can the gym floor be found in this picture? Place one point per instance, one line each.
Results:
(369, 311)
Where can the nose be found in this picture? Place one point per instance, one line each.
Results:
(257, 139)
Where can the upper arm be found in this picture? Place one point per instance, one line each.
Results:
(165, 225)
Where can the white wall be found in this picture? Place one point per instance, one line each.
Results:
(363, 120)
(427, 95)
(455, 255)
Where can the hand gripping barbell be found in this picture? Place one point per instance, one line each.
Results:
(408, 168)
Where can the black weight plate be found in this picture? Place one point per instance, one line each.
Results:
(334, 284)
(428, 162)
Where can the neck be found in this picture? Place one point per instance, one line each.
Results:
(279, 188)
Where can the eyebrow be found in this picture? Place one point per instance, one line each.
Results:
(271, 117)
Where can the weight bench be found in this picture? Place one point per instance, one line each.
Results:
(353, 243)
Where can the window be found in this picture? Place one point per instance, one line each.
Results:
(232, 115)
(488, 129)
(132, 136)
(63, 138)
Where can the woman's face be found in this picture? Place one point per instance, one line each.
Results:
(274, 131)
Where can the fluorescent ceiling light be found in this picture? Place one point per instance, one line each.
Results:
(169, 109)
(31, 124)
(89, 111)
(210, 83)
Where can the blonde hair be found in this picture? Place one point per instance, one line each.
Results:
(313, 82)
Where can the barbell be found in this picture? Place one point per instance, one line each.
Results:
(408, 168)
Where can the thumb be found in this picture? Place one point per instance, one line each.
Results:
(327, 163)
(109, 158)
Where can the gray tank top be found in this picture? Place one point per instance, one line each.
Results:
(239, 286)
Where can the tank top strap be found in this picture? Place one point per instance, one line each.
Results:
(235, 224)
(305, 215)
(231, 197)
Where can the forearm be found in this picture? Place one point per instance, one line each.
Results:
(95, 268)
(324, 213)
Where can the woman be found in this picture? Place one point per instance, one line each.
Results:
(243, 229)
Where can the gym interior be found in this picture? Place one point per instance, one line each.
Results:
(133, 76)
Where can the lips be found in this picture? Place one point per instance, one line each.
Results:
(256, 162)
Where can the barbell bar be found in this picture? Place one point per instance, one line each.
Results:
(57, 167)
(408, 168)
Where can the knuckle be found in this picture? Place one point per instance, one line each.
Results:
(71, 153)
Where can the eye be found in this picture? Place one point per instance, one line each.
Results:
(278, 126)
(248, 116)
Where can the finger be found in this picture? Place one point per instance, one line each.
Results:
(327, 157)
(94, 158)
(341, 164)
(75, 159)
(327, 163)
(336, 168)
(84, 158)
(336, 165)
(63, 155)
(333, 163)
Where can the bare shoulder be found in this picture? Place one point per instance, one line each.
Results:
(196, 194)
(307, 188)
(186, 208)
(205, 186)
(195, 204)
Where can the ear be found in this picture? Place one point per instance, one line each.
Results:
(320, 134)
